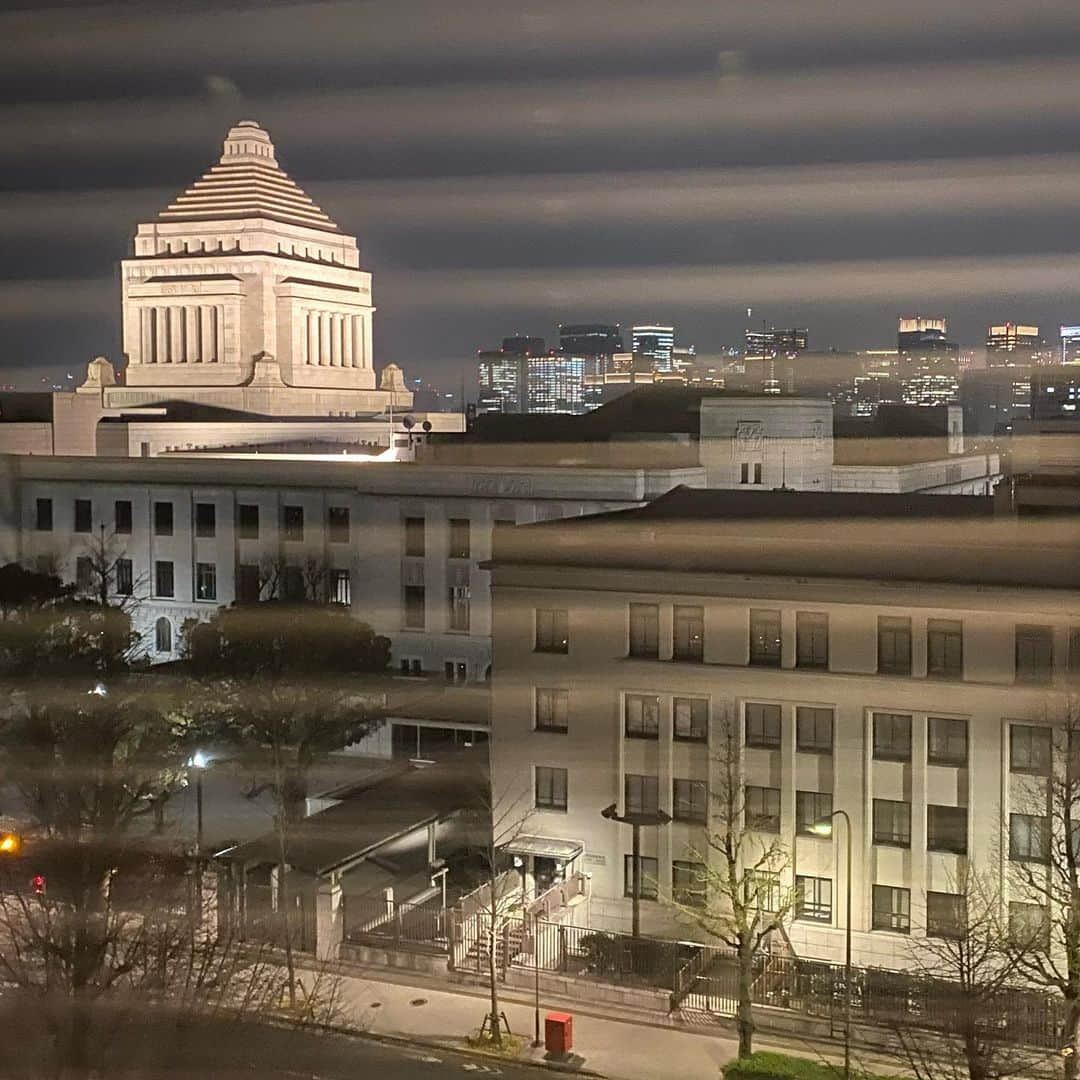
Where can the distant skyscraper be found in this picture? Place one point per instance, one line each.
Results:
(1008, 344)
(500, 377)
(773, 342)
(555, 383)
(918, 334)
(654, 342)
(590, 339)
(1055, 393)
(1070, 344)
(522, 345)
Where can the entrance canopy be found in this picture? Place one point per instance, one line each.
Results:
(545, 847)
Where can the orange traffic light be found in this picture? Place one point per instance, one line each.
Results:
(10, 843)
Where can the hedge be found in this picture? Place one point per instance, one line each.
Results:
(765, 1066)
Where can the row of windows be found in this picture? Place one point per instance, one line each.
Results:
(416, 540)
(1033, 645)
(946, 914)
(247, 519)
(458, 608)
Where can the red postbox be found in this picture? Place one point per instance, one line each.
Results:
(558, 1032)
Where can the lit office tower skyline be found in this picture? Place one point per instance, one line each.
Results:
(1070, 344)
(555, 384)
(919, 334)
(775, 342)
(655, 342)
(1012, 343)
(590, 339)
(499, 375)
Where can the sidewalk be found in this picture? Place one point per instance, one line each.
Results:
(633, 1047)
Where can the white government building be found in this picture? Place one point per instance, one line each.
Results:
(899, 658)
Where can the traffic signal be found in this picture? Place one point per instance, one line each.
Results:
(37, 883)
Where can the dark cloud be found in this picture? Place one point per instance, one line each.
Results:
(508, 166)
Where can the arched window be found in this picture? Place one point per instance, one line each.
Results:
(163, 635)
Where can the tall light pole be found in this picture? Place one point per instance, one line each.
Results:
(824, 827)
(198, 763)
(635, 820)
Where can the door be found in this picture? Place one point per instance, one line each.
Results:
(544, 870)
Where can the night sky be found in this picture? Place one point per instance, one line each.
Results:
(510, 165)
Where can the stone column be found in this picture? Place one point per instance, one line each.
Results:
(176, 334)
(191, 334)
(146, 336)
(329, 922)
(312, 338)
(324, 340)
(358, 341)
(206, 334)
(219, 333)
(335, 340)
(347, 341)
(161, 335)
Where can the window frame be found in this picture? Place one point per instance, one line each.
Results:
(292, 523)
(640, 785)
(825, 911)
(693, 891)
(882, 748)
(548, 776)
(340, 576)
(159, 570)
(893, 625)
(638, 728)
(694, 792)
(83, 516)
(1034, 825)
(124, 574)
(650, 648)
(887, 918)
(945, 635)
(553, 711)
(803, 823)
(945, 758)
(414, 536)
(763, 741)
(205, 581)
(1029, 731)
(338, 524)
(205, 520)
(1036, 635)
(938, 833)
(883, 836)
(764, 820)
(164, 517)
(952, 928)
(413, 600)
(123, 520)
(456, 549)
(804, 746)
(761, 652)
(809, 659)
(648, 885)
(247, 521)
(697, 710)
(688, 618)
(43, 514)
(547, 636)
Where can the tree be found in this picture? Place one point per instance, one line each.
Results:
(741, 898)
(103, 561)
(88, 743)
(1044, 871)
(22, 589)
(283, 682)
(971, 973)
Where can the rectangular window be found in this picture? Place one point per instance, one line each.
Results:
(1029, 839)
(459, 538)
(1029, 926)
(43, 515)
(122, 517)
(750, 472)
(552, 634)
(205, 581)
(892, 736)
(689, 642)
(763, 808)
(762, 725)
(645, 631)
(811, 639)
(642, 794)
(947, 741)
(337, 524)
(83, 516)
(552, 710)
(813, 899)
(459, 603)
(893, 646)
(764, 638)
(247, 521)
(892, 823)
(340, 587)
(205, 519)
(1034, 654)
(762, 890)
(414, 607)
(292, 522)
(814, 729)
(125, 577)
(1029, 749)
(550, 788)
(648, 874)
(946, 915)
(163, 519)
(414, 536)
(691, 719)
(891, 909)
(689, 883)
(946, 829)
(690, 801)
(248, 586)
(163, 578)
(456, 671)
(810, 808)
(84, 573)
(945, 649)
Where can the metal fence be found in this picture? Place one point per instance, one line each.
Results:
(378, 921)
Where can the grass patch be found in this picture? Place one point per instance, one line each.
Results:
(511, 1044)
(766, 1066)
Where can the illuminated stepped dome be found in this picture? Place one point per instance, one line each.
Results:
(247, 182)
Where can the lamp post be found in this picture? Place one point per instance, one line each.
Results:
(824, 827)
(198, 762)
(635, 819)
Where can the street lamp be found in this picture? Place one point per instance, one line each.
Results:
(824, 827)
(635, 820)
(198, 761)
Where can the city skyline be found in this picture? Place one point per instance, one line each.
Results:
(751, 179)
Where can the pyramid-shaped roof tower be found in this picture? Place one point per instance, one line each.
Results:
(247, 183)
